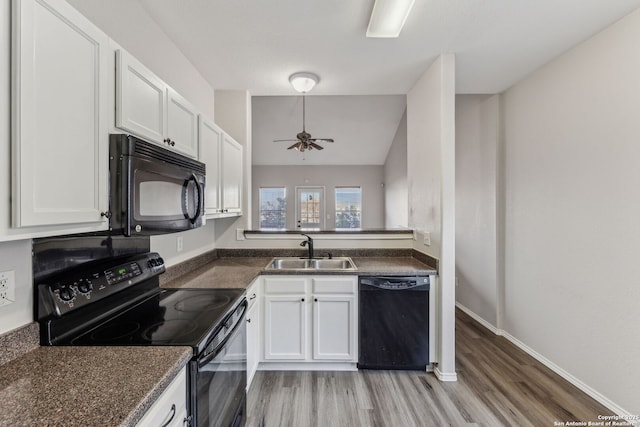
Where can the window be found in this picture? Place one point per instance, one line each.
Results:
(273, 208)
(348, 207)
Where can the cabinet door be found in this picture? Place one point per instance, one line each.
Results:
(60, 101)
(182, 125)
(140, 99)
(232, 170)
(171, 407)
(285, 327)
(334, 331)
(253, 342)
(210, 140)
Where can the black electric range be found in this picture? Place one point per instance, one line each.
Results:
(112, 298)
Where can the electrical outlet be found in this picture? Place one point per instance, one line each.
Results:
(427, 238)
(7, 287)
(179, 244)
(239, 234)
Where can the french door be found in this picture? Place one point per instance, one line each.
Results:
(310, 207)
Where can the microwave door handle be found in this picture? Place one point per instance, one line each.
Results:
(200, 207)
(200, 203)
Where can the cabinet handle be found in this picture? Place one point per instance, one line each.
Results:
(248, 320)
(302, 300)
(252, 296)
(173, 414)
(106, 214)
(315, 299)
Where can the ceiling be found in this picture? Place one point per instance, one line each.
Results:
(363, 128)
(255, 45)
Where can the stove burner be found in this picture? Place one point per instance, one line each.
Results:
(198, 303)
(115, 332)
(168, 330)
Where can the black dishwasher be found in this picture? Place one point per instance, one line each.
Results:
(394, 323)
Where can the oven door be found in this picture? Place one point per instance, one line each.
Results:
(219, 379)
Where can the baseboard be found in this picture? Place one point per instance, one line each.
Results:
(594, 394)
(479, 319)
(445, 376)
(307, 366)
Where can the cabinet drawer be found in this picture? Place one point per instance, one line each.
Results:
(171, 405)
(285, 285)
(334, 285)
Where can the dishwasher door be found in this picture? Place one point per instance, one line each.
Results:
(394, 323)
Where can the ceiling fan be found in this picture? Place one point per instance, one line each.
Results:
(304, 141)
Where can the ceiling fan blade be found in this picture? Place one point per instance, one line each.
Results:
(321, 140)
(293, 146)
(285, 140)
(316, 146)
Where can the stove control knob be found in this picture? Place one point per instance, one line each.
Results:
(84, 286)
(66, 293)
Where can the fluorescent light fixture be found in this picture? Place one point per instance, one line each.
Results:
(303, 82)
(388, 17)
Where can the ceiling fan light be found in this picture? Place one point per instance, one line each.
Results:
(303, 82)
(388, 18)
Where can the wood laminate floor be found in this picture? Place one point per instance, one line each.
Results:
(498, 385)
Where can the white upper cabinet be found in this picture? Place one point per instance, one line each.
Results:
(210, 138)
(232, 171)
(60, 102)
(223, 157)
(141, 99)
(147, 107)
(182, 124)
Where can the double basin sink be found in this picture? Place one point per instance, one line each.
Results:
(295, 263)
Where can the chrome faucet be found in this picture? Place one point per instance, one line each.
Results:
(309, 244)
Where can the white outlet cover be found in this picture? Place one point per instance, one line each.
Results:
(7, 287)
(179, 244)
(427, 238)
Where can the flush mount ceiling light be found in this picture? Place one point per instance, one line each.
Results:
(388, 17)
(303, 82)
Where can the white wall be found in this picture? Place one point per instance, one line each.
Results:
(431, 182)
(368, 178)
(396, 194)
(16, 257)
(476, 204)
(572, 230)
(127, 22)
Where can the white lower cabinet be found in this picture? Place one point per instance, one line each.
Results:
(253, 330)
(310, 318)
(170, 409)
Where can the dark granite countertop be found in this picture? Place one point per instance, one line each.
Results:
(86, 386)
(239, 272)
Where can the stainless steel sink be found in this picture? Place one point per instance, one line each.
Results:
(293, 263)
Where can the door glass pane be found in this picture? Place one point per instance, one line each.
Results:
(310, 208)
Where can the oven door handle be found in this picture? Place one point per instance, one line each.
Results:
(212, 355)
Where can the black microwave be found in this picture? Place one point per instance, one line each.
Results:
(153, 190)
